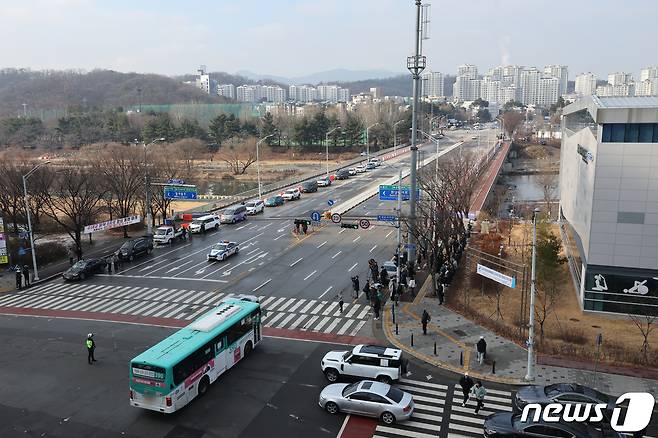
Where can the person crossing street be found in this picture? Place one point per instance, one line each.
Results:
(91, 346)
(479, 392)
(466, 383)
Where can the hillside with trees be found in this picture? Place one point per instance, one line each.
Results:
(42, 91)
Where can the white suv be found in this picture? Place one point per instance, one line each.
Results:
(204, 223)
(291, 194)
(255, 206)
(366, 361)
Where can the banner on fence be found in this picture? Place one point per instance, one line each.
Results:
(102, 226)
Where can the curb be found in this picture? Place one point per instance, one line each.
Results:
(387, 327)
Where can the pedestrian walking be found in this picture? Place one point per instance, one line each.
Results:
(442, 292)
(19, 279)
(399, 293)
(377, 307)
(26, 276)
(466, 383)
(426, 318)
(383, 277)
(91, 346)
(481, 349)
(366, 290)
(412, 286)
(479, 392)
(184, 233)
(356, 286)
(392, 288)
(340, 301)
(411, 270)
(70, 253)
(403, 275)
(304, 227)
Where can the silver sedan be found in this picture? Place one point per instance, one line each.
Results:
(368, 398)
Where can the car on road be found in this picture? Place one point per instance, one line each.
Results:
(371, 166)
(232, 215)
(376, 161)
(342, 174)
(274, 201)
(134, 247)
(363, 154)
(204, 223)
(366, 361)
(167, 234)
(507, 424)
(474, 137)
(559, 393)
(222, 250)
(309, 187)
(391, 268)
(360, 168)
(84, 268)
(254, 207)
(368, 398)
(325, 181)
(352, 171)
(291, 194)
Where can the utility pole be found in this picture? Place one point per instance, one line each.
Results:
(416, 65)
(399, 252)
(530, 376)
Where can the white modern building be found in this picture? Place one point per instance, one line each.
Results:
(561, 72)
(203, 80)
(467, 71)
(648, 73)
(466, 88)
(585, 84)
(647, 87)
(432, 84)
(246, 93)
(609, 202)
(619, 90)
(226, 90)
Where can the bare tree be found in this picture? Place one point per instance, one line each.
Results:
(645, 324)
(186, 151)
(511, 121)
(121, 168)
(72, 197)
(239, 154)
(549, 183)
(162, 169)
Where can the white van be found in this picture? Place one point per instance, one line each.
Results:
(234, 214)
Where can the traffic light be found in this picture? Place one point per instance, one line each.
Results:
(364, 137)
(353, 226)
(302, 221)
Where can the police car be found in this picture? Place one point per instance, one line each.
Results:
(223, 250)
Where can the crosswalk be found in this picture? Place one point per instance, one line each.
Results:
(182, 304)
(439, 412)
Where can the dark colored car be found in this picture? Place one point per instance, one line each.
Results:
(559, 393)
(343, 174)
(274, 201)
(309, 187)
(84, 268)
(508, 425)
(134, 247)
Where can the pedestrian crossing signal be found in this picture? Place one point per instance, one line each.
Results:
(353, 226)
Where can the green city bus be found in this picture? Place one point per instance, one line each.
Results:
(181, 367)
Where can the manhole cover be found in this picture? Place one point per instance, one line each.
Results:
(460, 332)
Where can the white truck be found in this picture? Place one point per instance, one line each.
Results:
(167, 234)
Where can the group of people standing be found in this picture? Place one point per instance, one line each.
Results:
(22, 277)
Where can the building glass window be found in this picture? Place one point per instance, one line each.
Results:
(618, 131)
(630, 133)
(646, 132)
(629, 217)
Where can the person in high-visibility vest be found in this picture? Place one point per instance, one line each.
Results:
(91, 346)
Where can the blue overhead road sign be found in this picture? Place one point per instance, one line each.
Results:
(390, 193)
(386, 217)
(178, 192)
(315, 216)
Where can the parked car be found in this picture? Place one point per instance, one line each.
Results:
(325, 181)
(363, 154)
(84, 268)
(222, 250)
(509, 425)
(342, 174)
(234, 214)
(391, 268)
(559, 393)
(291, 194)
(309, 187)
(204, 223)
(371, 166)
(134, 247)
(367, 361)
(368, 398)
(167, 234)
(274, 201)
(352, 171)
(376, 161)
(361, 168)
(254, 207)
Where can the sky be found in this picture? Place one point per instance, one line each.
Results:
(298, 37)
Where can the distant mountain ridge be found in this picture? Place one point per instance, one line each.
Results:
(329, 76)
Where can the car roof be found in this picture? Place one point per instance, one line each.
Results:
(376, 351)
(203, 218)
(374, 387)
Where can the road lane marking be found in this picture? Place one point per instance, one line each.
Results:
(258, 287)
(157, 257)
(330, 309)
(253, 251)
(216, 270)
(239, 228)
(279, 301)
(336, 255)
(353, 266)
(309, 322)
(266, 226)
(277, 238)
(373, 248)
(176, 268)
(151, 266)
(341, 231)
(323, 293)
(286, 320)
(322, 244)
(297, 261)
(166, 278)
(367, 213)
(266, 302)
(308, 306)
(280, 230)
(318, 327)
(357, 238)
(389, 233)
(286, 305)
(309, 275)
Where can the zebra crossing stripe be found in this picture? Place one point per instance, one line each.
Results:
(357, 328)
(286, 320)
(345, 326)
(363, 313)
(308, 306)
(42, 301)
(100, 304)
(297, 322)
(156, 308)
(319, 307)
(419, 407)
(63, 303)
(192, 298)
(79, 303)
(299, 304)
(134, 293)
(125, 306)
(487, 402)
(467, 419)
(427, 384)
(274, 319)
(186, 295)
(92, 290)
(425, 391)
(352, 309)
(329, 309)
(166, 309)
(464, 428)
(141, 306)
(322, 323)
(155, 294)
(215, 300)
(198, 312)
(177, 293)
(309, 322)
(276, 303)
(264, 303)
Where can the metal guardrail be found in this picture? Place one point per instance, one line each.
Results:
(249, 194)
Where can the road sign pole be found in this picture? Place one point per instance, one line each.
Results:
(397, 271)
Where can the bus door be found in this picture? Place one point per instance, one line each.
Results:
(220, 355)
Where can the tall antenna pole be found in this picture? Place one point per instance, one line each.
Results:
(415, 64)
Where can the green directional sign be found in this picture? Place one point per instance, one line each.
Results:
(180, 192)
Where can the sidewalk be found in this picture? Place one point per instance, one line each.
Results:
(455, 338)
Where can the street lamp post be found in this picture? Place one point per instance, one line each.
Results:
(326, 142)
(395, 135)
(258, 161)
(530, 376)
(29, 220)
(368, 141)
(147, 200)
